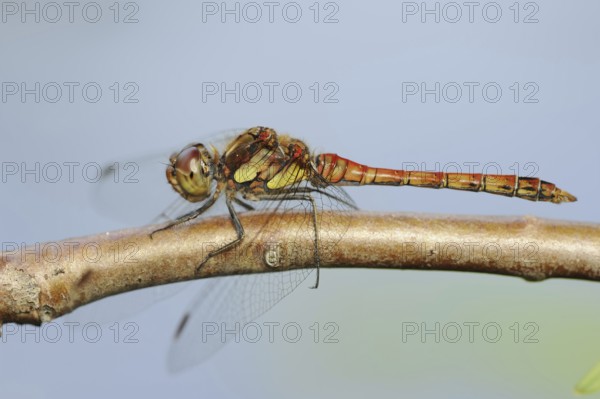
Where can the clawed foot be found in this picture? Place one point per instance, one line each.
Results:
(202, 264)
(156, 231)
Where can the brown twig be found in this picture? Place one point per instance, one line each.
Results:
(48, 280)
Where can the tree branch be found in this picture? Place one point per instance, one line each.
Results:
(45, 281)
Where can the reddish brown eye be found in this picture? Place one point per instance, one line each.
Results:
(186, 159)
(190, 173)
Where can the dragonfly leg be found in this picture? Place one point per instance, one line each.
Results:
(188, 216)
(302, 195)
(239, 229)
(243, 204)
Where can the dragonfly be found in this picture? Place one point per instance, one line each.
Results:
(260, 169)
(260, 165)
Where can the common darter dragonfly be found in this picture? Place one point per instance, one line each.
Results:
(279, 172)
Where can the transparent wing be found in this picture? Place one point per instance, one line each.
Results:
(124, 306)
(232, 302)
(134, 191)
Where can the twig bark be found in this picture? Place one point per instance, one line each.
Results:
(47, 280)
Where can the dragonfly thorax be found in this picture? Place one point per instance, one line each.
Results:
(191, 172)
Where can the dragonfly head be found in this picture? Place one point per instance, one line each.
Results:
(191, 172)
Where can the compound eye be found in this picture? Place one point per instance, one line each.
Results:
(188, 161)
(190, 173)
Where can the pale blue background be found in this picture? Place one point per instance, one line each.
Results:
(368, 54)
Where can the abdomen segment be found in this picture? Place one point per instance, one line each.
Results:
(342, 172)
